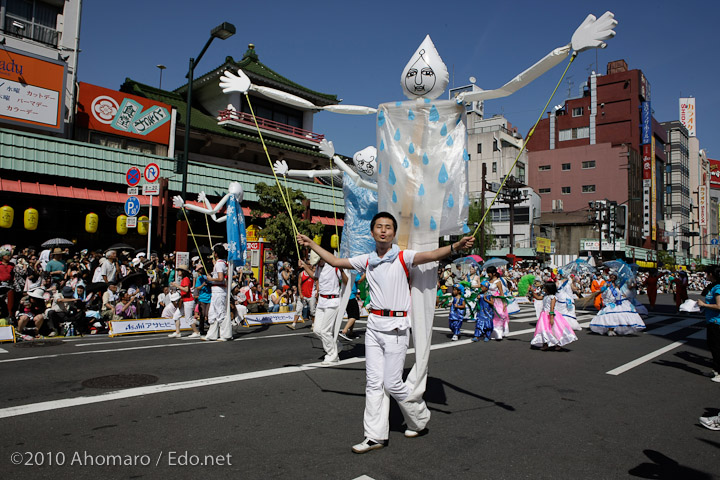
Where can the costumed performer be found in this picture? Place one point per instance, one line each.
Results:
(565, 306)
(387, 335)
(484, 315)
(551, 329)
(618, 316)
(457, 311)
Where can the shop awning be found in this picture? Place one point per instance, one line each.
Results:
(36, 188)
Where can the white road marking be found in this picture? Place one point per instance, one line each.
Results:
(674, 327)
(363, 477)
(645, 358)
(2, 350)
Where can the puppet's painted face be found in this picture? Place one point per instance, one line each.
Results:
(425, 75)
(236, 189)
(366, 163)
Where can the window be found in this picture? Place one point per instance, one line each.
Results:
(565, 166)
(574, 133)
(479, 149)
(566, 190)
(544, 190)
(588, 189)
(543, 168)
(494, 167)
(33, 19)
(577, 112)
(496, 148)
(588, 164)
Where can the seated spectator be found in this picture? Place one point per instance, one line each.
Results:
(254, 301)
(109, 301)
(274, 301)
(65, 309)
(172, 304)
(32, 307)
(126, 308)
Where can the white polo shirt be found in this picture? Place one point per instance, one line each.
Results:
(389, 290)
(328, 284)
(219, 287)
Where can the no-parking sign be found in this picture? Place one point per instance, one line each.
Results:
(132, 177)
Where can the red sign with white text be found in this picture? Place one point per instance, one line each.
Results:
(714, 174)
(119, 113)
(647, 162)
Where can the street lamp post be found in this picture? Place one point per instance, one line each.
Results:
(161, 67)
(222, 31)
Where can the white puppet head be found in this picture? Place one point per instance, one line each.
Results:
(366, 163)
(236, 189)
(425, 75)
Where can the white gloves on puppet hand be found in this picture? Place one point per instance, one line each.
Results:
(178, 202)
(234, 83)
(592, 32)
(327, 148)
(281, 167)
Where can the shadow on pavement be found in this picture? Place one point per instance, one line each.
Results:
(435, 393)
(664, 467)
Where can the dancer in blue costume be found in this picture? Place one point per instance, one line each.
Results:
(457, 311)
(485, 313)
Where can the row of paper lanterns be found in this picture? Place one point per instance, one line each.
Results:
(30, 221)
(334, 240)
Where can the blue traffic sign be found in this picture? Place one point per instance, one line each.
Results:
(714, 241)
(132, 177)
(132, 207)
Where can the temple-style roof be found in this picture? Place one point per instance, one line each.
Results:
(201, 120)
(261, 74)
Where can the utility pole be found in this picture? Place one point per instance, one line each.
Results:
(511, 196)
(482, 210)
(600, 215)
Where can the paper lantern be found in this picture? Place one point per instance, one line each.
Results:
(334, 241)
(30, 219)
(121, 225)
(143, 225)
(91, 222)
(7, 214)
(318, 239)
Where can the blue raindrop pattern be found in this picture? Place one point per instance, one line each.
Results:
(381, 118)
(450, 201)
(433, 224)
(379, 167)
(394, 197)
(426, 160)
(405, 163)
(397, 136)
(434, 115)
(449, 142)
(411, 148)
(416, 221)
(465, 229)
(391, 176)
(421, 192)
(411, 115)
(442, 176)
(466, 157)
(382, 145)
(443, 130)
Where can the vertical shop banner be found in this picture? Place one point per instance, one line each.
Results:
(702, 205)
(647, 182)
(653, 191)
(646, 123)
(32, 90)
(687, 115)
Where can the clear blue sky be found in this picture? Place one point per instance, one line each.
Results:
(357, 50)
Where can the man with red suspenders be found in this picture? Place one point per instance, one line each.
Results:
(387, 335)
(328, 282)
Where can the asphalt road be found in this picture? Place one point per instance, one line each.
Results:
(261, 407)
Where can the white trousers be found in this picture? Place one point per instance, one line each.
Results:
(217, 318)
(325, 329)
(384, 362)
(186, 311)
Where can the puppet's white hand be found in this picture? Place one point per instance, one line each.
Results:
(327, 148)
(281, 167)
(202, 197)
(178, 202)
(592, 32)
(234, 83)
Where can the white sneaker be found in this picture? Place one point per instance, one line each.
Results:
(454, 338)
(174, 335)
(713, 423)
(367, 445)
(330, 362)
(612, 333)
(194, 335)
(221, 339)
(415, 433)
(716, 378)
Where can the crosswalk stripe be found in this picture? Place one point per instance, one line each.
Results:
(674, 327)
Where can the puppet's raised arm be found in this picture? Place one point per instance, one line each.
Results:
(590, 34)
(178, 202)
(230, 82)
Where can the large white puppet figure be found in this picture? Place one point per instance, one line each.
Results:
(422, 160)
(361, 204)
(236, 237)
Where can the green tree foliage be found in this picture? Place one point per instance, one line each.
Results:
(475, 214)
(278, 227)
